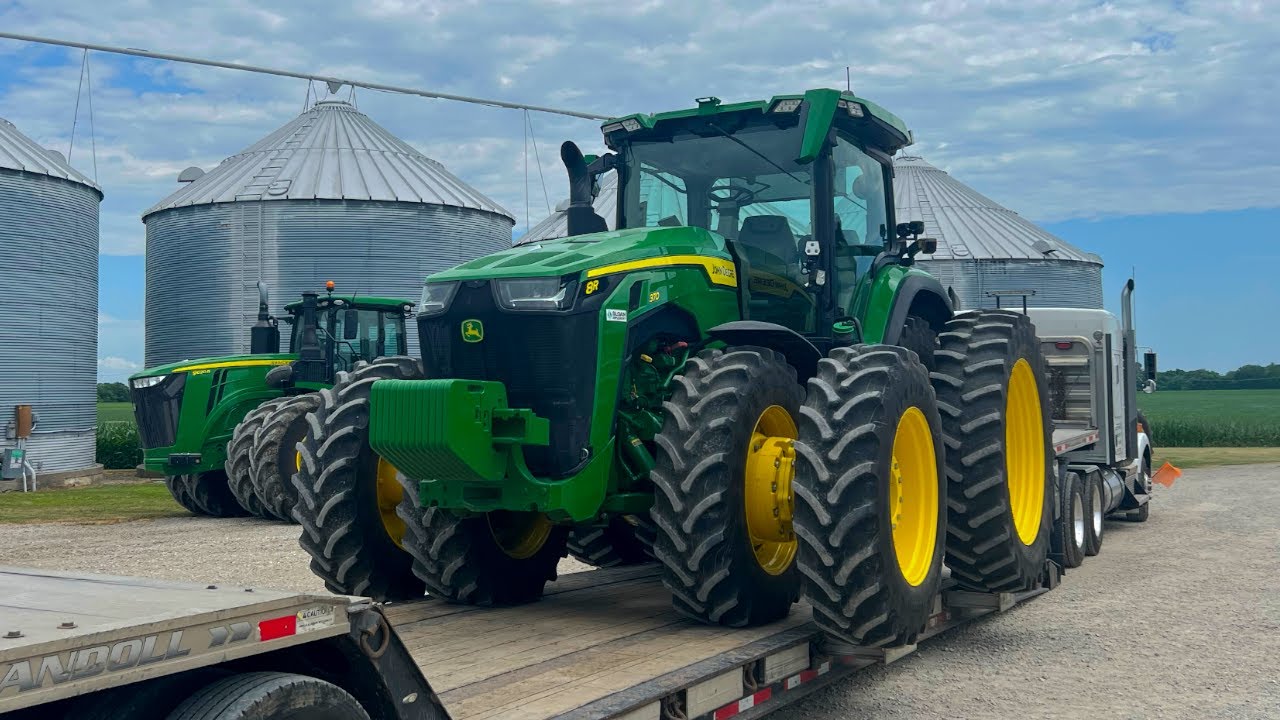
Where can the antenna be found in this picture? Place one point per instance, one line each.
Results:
(848, 80)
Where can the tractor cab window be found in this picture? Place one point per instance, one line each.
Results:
(365, 343)
(862, 220)
(741, 181)
(394, 342)
(295, 332)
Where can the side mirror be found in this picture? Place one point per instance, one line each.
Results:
(916, 227)
(928, 246)
(1149, 365)
(903, 230)
(350, 324)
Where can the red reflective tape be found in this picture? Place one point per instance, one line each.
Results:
(743, 705)
(278, 628)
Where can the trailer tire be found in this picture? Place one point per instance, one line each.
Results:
(269, 696)
(1068, 532)
(919, 337)
(274, 456)
(991, 388)
(240, 473)
(348, 498)
(460, 559)
(716, 568)
(205, 493)
(870, 438)
(626, 540)
(1093, 509)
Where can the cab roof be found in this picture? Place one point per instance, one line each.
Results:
(358, 301)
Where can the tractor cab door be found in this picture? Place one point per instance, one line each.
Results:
(862, 219)
(366, 334)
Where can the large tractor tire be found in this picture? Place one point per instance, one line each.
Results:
(239, 455)
(723, 498)
(992, 395)
(500, 558)
(870, 495)
(348, 496)
(919, 337)
(274, 456)
(1068, 532)
(625, 540)
(205, 493)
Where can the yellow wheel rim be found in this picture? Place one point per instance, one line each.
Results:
(1024, 452)
(767, 495)
(519, 534)
(389, 494)
(913, 496)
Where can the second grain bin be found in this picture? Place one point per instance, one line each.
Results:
(330, 196)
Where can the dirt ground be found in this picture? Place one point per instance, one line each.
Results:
(1178, 618)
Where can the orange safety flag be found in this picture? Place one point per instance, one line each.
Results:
(1166, 475)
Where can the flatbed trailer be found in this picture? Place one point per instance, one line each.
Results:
(601, 644)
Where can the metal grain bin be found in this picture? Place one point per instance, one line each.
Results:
(984, 247)
(49, 270)
(329, 196)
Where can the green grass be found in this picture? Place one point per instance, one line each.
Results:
(111, 412)
(90, 506)
(1195, 457)
(1214, 418)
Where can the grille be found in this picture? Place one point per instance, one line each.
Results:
(1070, 382)
(546, 360)
(156, 409)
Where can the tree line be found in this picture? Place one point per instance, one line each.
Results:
(1245, 377)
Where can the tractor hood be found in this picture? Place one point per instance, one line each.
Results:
(214, 363)
(582, 253)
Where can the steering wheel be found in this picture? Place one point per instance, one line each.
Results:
(735, 195)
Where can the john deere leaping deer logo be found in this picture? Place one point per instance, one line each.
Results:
(472, 331)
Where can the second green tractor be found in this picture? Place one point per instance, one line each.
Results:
(748, 380)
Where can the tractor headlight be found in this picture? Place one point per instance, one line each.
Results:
(146, 382)
(546, 293)
(436, 297)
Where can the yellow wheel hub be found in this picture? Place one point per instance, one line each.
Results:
(389, 494)
(771, 466)
(1024, 452)
(519, 534)
(913, 496)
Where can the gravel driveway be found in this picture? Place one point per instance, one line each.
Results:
(1178, 618)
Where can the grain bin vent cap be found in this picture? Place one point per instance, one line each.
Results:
(330, 152)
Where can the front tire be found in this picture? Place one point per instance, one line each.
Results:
(348, 496)
(992, 394)
(722, 500)
(239, 457)
(500, 558)
(205, 493)
(870, 493)
(274, 456)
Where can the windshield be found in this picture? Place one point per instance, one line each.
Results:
(744, 185)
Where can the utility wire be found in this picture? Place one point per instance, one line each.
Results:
(545, 198)
(304, 76)
(93, 133)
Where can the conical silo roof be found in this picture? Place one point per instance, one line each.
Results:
(330, 152)
(967, 224)
(19, 152)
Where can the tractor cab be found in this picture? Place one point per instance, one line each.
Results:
(799, 187)
(331, 334)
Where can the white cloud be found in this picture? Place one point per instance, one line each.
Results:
(1057, 109)
(118, 363)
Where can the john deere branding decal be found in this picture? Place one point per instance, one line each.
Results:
(472, 330)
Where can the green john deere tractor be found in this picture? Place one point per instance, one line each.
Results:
(223, 430)
(736, 381)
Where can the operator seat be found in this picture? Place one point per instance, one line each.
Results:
(768, 241)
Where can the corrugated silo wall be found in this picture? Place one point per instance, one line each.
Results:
(49, 340)
(1056, 283)
(204, 261)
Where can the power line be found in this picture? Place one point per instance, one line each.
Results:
(332, 81)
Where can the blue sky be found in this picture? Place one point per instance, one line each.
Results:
(1142, 131)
